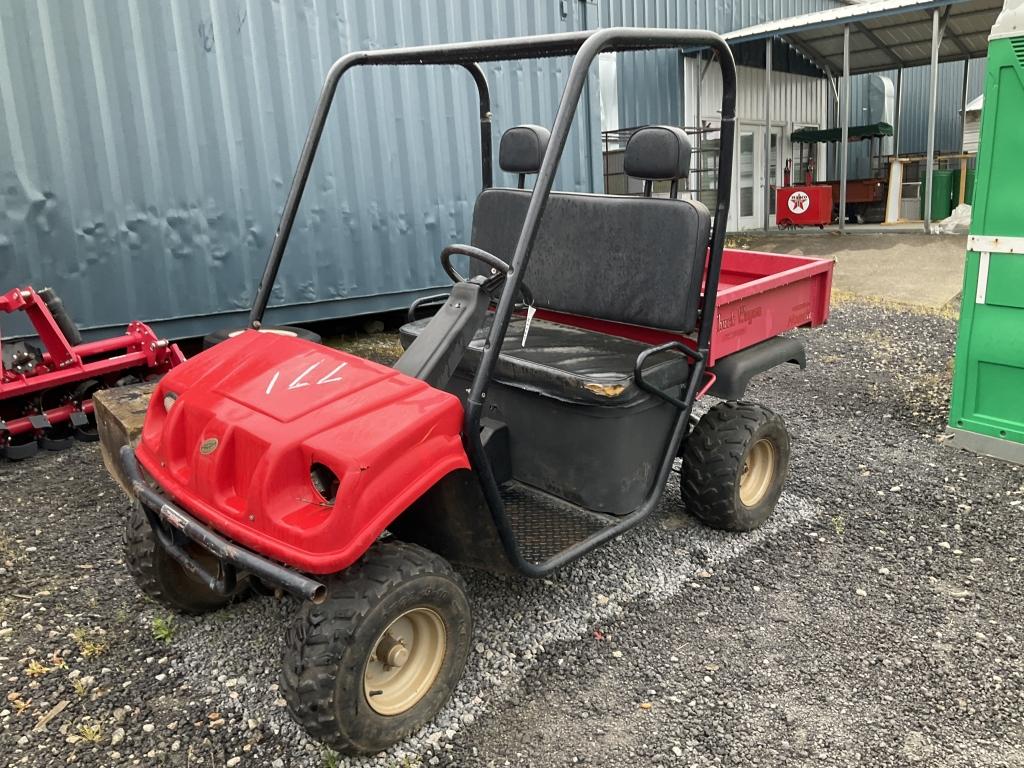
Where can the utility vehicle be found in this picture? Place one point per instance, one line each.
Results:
(535, 415)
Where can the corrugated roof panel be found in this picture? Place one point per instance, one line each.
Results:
(882, 34)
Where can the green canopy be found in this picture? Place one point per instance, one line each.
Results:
(830, 135)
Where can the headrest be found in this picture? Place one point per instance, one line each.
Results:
(658, 152)
(522, 148)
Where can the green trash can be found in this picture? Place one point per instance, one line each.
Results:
(968, 187)
(986, 412)
(942, 194)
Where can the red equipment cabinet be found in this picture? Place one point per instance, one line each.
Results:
(803, 206)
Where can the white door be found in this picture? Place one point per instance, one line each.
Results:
(749, 171)
(750, 176)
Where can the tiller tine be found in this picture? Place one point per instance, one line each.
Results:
(19, 451)
(84, 428)
(62, 443)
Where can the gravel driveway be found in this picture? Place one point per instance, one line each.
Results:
(876, 620)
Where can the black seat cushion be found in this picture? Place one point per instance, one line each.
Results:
(632, 260)
(569, 363)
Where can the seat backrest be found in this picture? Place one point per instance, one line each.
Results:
(521, 150)
(627, 259)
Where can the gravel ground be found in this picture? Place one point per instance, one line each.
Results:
(875, 620)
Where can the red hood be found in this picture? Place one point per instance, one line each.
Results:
(253, 414)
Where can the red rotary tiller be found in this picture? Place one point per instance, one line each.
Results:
(46, 391)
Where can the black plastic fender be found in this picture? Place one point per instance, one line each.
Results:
(735, 371)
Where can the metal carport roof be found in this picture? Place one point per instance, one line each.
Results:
(870, 37)
(883, 35)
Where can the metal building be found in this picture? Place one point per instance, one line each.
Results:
(146, 148)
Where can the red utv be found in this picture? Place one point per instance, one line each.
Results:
(536, 415)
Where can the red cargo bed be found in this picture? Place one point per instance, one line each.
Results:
(760, 295)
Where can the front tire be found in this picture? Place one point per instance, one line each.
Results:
(734, 466)
(382, 654)
(160, 576)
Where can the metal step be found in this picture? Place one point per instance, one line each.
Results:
(545, 525)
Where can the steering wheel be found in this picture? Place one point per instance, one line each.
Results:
(486, 257)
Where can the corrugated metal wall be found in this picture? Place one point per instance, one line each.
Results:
(650, 82)
(146, 149)
(795, 98)
(913, 125)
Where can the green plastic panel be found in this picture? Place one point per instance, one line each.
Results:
(988, 381)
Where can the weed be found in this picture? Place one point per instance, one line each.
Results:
(331, 758)
(949, 311)
(88, 647)
(839, 523)
(163, 629)
(20, 705)
(35, 669)
(8, 550)
(91, 733)
(79, 687)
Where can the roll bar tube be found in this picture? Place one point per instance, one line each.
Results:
(469, 55)
(486, 146)
(316, 130)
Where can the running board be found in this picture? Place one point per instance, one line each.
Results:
(545, 526)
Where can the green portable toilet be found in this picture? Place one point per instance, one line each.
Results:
(987, 409)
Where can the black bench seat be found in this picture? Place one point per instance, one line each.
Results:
(624, 259)
(569, 363)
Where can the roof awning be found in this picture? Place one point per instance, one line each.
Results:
(887, 34)
(830, 135)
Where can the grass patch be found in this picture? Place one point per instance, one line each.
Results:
(36, 669)
(90, 732)
(164, 629)
(88, 647)
(949, 311)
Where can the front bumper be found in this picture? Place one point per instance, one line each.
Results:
(174, 528)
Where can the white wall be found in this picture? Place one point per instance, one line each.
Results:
(796, 101)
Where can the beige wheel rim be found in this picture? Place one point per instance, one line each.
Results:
(404, 661)
(758, 472)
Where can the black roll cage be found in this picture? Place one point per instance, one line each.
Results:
(584, 46)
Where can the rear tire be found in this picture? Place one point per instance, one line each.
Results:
(401, 603)
(215, 338)
(734, 466)
(160, 576)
